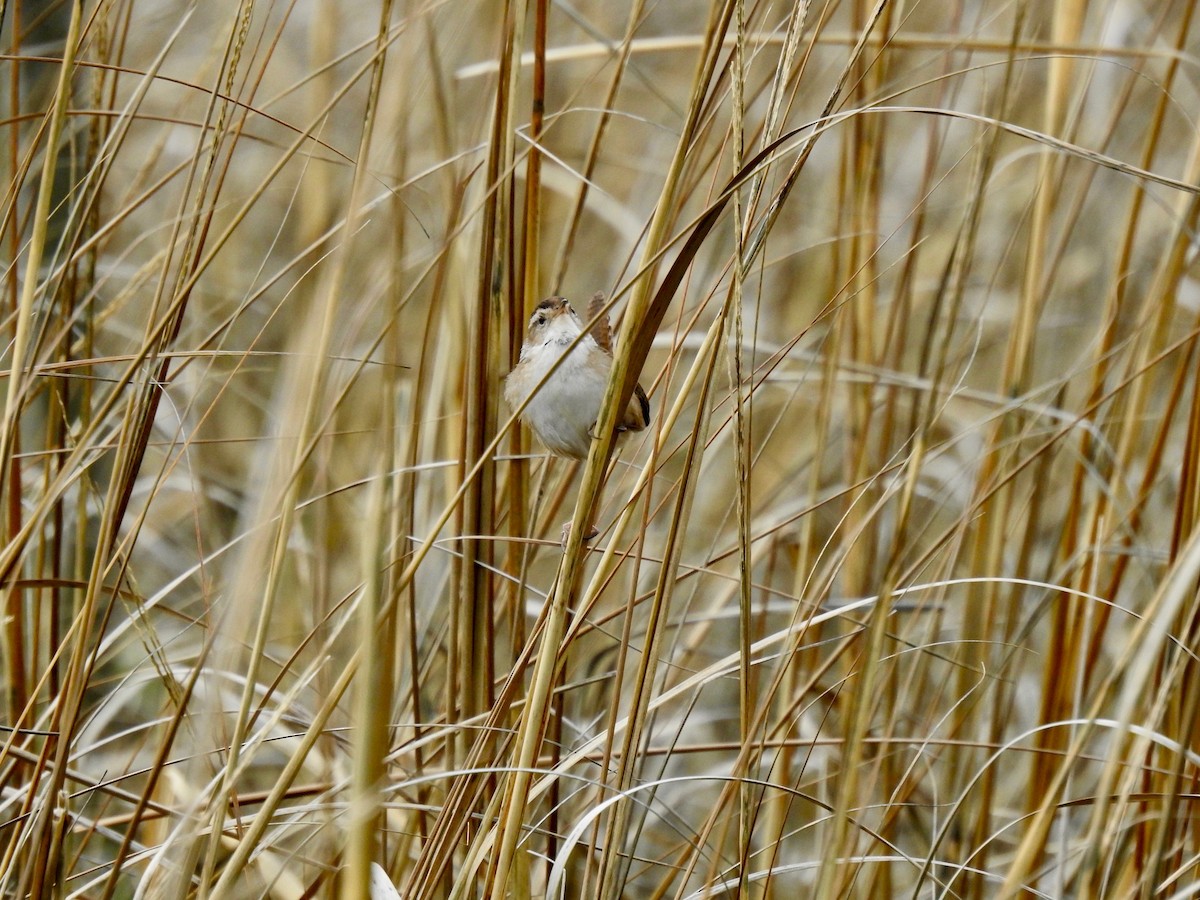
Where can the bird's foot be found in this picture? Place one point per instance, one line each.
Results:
(566, 534)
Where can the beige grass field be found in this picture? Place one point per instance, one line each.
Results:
(896, 597)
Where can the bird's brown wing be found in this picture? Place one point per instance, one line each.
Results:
(637, 411)
(602, 330)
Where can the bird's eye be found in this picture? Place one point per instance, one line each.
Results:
(539, 319)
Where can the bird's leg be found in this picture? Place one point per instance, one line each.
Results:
(592, 530)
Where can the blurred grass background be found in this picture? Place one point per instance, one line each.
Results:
(896, 598)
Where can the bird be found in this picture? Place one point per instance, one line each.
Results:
(564, 411)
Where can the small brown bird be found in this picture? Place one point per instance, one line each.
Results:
(564, 412)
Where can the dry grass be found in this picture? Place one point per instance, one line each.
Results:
(896, 598)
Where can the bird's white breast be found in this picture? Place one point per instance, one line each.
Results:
(566, 406)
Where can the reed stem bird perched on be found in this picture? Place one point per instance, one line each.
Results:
(563, 413)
